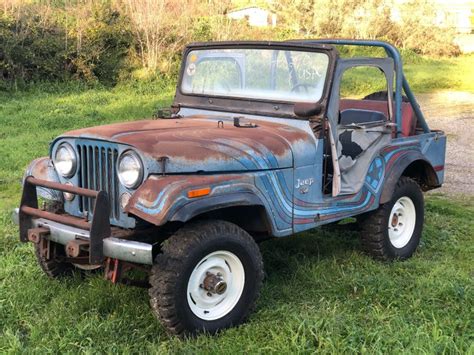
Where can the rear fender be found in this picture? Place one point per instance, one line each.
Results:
(414, 162)
(163, 199)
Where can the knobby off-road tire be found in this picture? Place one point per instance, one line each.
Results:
(52, 267)
(199, 255)
(393, 231)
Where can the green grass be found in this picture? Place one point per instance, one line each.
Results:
(29, 120)
(427, 75)
(423, 74)
(321, 292)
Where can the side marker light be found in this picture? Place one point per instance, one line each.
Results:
(199, 192)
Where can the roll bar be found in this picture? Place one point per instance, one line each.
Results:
(400, 80)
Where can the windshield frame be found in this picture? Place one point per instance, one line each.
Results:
(250, 105)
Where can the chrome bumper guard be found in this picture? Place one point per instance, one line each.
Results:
(64, 228)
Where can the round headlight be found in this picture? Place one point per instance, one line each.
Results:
(65, 160)
(130, 169)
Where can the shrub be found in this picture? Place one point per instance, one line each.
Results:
(30, 47)
(417, 30)
(40, 42)
(111, 40)
(100, 48)
(409, 25)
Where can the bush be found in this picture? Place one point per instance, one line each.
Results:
(410, 25)
(112, 40)
(31, 48)
(41, 42)
(104, 47)
(417, 30)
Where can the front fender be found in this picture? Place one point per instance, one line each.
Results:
(42, 168)
(163, 199)
(200, 206)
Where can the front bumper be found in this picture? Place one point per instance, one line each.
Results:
(100, 238)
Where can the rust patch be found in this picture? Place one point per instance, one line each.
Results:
(198, 137)
(158, 194)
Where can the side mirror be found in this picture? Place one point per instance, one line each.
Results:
(307, 109)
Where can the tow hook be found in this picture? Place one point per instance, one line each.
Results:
(73, 248)
(36, 234)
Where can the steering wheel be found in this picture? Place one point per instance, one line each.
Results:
(306, 87)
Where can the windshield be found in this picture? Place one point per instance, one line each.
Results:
(269, 74)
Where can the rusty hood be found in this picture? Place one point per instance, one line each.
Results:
(204, 143)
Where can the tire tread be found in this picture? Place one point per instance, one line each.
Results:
(374, 238)
(169, 266)
(52, 268)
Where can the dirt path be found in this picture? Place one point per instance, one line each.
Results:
(453, 112)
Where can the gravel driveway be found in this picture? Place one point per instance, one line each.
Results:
(453, 112)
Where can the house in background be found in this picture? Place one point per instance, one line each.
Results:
(255, 16)
(456, 14)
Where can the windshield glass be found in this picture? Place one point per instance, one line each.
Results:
(269, 74)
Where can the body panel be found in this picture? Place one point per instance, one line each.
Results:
(292, 198)
(270, 158)
(201, 144)
(277, 165)
(161, 198)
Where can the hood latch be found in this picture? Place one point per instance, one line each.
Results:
(244, 125)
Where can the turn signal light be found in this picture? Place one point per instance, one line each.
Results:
(199, 192)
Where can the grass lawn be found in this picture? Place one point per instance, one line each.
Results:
(429, 75)
(321, 292)
(423, 74)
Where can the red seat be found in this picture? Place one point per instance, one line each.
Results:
(408, 116)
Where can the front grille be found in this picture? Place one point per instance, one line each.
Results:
(97, 172)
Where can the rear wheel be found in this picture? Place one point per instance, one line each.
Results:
(394, 230)
(207, 278)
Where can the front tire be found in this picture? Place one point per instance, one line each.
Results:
(52, 267)
(394, 230)
(207, 278)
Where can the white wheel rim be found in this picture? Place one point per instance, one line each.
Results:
(401, 222)
(214, 303)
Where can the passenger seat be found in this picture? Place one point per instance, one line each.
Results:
(408, 116)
